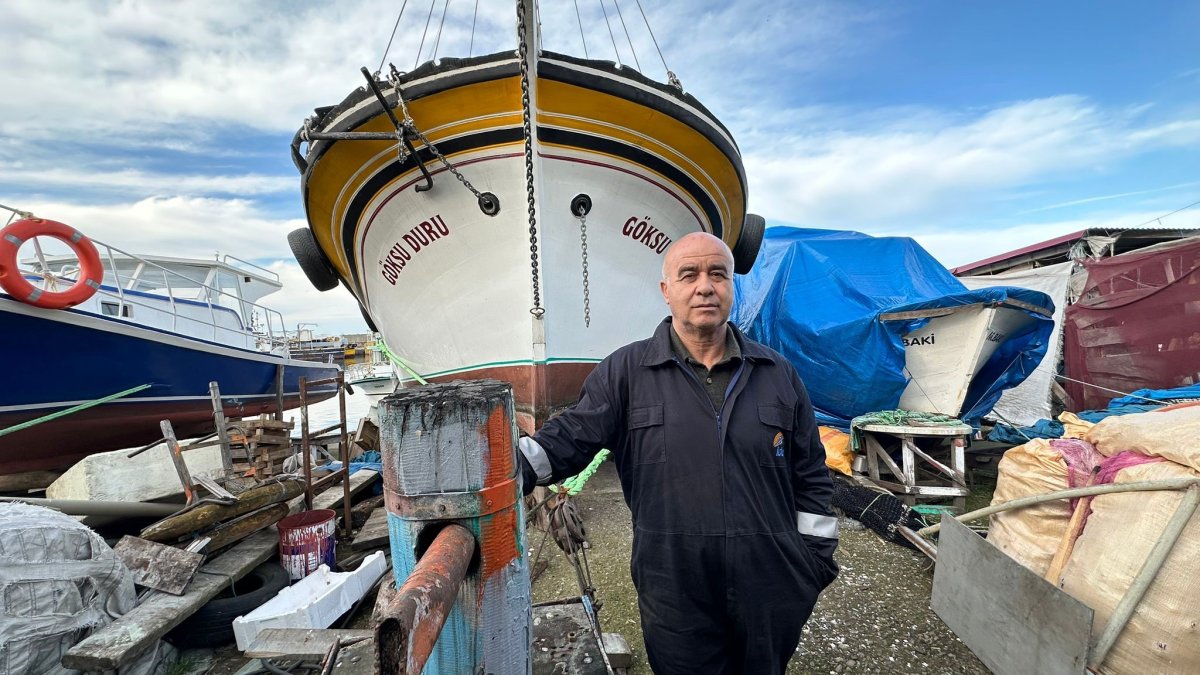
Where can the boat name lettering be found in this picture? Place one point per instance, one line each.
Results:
(413, 242)
(640, 229)
(925, 340)
(993, 336)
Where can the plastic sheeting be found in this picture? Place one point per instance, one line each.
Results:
(816, 296)
(59, 581)
(1028, 402)
(1135, 324)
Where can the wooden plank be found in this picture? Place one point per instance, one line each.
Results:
(260, 437)
(158, 566)
(30, 480)
(123, 640)
(332, 498)
(374, 534)
(300, 643)
(1011, 618)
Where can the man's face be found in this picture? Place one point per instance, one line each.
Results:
(698, 282)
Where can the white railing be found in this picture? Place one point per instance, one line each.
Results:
(210, 312)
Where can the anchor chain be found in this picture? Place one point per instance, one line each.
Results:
(487, 201)
(527, 128)
(587, 303)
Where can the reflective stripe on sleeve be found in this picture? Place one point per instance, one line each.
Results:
(535, 454)
(816, 525)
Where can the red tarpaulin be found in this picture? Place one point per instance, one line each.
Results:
(1136, 325)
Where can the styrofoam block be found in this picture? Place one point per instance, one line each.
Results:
(315, 601)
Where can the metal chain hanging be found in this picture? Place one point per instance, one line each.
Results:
(587, 303)
(527, 127)
(487, 201)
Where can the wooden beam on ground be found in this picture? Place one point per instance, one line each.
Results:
(158, 566)
(30, 480)
(374, 534)
(332, 498)
(300, 643)
(123, 640)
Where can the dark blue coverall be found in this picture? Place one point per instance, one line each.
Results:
(733, 536)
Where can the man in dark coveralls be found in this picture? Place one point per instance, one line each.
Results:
(723, 469)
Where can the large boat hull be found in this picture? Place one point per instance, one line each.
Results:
(64, 358)
(538, 301)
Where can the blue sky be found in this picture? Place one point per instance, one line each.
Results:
(973, 127)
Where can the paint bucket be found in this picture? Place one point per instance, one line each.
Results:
(306, 542)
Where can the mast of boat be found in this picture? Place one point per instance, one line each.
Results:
(528, 50)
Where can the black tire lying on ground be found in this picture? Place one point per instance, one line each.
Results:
(212, 624)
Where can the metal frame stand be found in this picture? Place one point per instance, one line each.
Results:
(905, 481)
(343, 474)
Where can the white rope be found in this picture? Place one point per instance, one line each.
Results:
(438, 41)
(610, 33)
(421, 48)
(581, 38)
(628, 39)
(393, 37)
(660, 54)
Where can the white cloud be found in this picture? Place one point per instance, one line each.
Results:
(901, 172)
(96, 71)
(194, 227)
(40, 177)
(959, 246)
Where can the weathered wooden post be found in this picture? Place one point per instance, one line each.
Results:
(449, 458)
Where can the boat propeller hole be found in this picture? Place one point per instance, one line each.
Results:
(581, 205)
(489, 204)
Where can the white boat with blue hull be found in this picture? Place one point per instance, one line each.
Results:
(156, 329)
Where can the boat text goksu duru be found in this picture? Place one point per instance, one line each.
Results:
(539, 252)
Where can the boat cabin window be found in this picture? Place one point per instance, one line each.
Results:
(116, 309)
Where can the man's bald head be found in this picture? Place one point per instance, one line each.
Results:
(693, 243)
(697, 284)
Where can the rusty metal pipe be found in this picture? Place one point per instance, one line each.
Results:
(411, 622)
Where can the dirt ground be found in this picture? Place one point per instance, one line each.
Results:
(874, 619)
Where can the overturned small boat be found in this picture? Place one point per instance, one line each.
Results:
(506, 216)
(876, 323)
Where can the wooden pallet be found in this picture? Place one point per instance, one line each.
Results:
(260, 446)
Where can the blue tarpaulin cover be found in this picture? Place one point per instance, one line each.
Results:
(816, 296)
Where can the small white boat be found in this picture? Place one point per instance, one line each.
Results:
(943, 357)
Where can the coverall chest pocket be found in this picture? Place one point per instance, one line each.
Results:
(647, 435)
(776, 424)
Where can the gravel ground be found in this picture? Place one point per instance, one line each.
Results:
(874, 619)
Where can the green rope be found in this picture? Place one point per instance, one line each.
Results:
(574, 484)
(399, 361)
(73, 409)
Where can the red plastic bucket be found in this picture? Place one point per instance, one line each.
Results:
(306, 542)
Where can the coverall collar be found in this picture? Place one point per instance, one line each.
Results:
(659, 350)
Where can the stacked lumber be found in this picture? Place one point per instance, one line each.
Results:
(259, 446)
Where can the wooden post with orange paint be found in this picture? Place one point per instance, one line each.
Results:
(449, 456)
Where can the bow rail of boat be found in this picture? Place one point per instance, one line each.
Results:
(210, 299)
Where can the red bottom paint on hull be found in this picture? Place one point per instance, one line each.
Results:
(539, 391)
(60, 443)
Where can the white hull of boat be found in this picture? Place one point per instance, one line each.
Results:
(942, 357)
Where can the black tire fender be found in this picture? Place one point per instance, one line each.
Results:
(312, 259)
(212, 624)
(745, 249)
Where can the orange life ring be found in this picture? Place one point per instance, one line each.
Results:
(91, 272)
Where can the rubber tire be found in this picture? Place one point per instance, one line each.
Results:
(212, 624)
(745, 250)
(312, 259)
